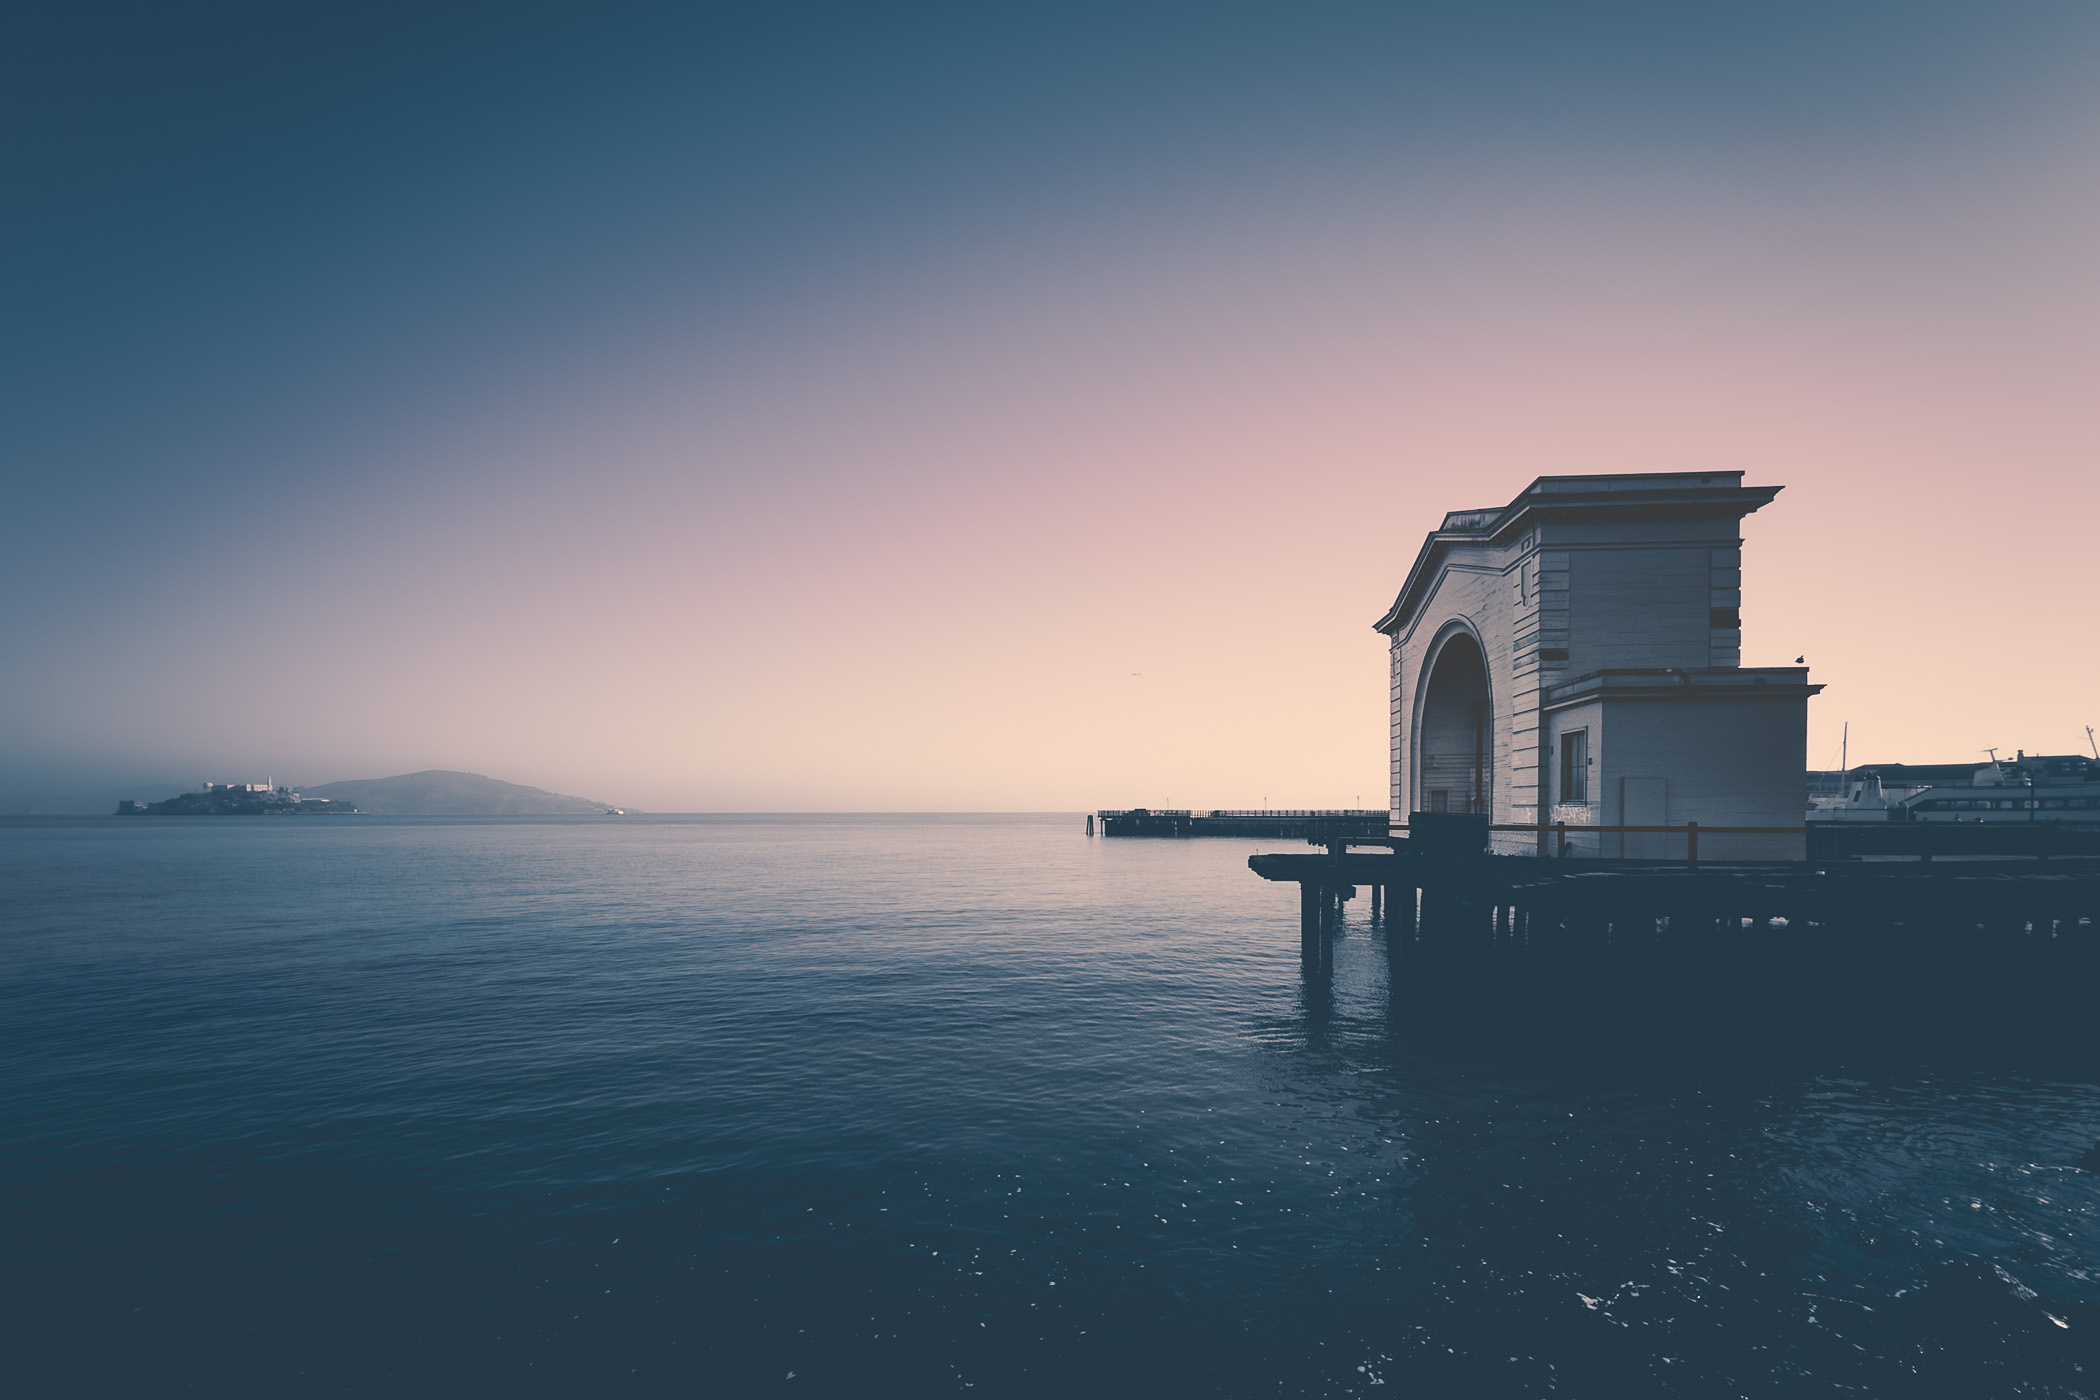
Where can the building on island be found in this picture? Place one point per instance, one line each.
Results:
(264, 799)
(1575, 656)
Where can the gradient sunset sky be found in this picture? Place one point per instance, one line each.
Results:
(992, 407)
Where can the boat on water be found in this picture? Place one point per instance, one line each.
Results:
(2025, 788)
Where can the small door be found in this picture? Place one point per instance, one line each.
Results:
(1644, 802)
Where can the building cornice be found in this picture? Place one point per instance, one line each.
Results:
(1629, 496)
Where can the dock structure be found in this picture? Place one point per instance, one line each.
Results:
(1595, 805)
(1945, 943)
(1520, 907)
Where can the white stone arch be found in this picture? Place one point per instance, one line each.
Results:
(1453, 728)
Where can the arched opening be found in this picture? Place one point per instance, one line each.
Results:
(1454, 747)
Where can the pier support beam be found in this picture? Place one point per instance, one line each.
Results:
(1319, 919)
(1309, 924)
(1324, 945)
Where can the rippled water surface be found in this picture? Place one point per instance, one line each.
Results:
(907, 1105)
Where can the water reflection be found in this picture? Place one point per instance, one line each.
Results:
(1623, 1211)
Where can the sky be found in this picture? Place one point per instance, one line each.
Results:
(961, 407)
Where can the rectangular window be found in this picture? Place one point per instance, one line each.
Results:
(1439, 800)
(1731, 618)
(1575, 766)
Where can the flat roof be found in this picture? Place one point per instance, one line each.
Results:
(1683, 683)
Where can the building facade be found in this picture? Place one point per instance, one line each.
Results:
(1575, 657)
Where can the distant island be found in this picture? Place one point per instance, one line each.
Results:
(434, 792)
(237, 800)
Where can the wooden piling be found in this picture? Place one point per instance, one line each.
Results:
(1309, 923)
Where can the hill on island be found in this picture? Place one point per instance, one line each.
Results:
(437, 792)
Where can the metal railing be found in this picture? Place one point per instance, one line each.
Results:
(1689, 831)
(1553, 836)
(1366, 814)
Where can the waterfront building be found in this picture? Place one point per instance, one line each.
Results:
(1575, 656)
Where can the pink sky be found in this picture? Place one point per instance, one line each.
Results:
(1095, 506)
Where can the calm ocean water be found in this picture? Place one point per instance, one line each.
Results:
(910, 1105)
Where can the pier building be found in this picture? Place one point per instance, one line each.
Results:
(1574, 659)
(1567, 680)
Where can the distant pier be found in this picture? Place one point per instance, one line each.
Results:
(1343, 824)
